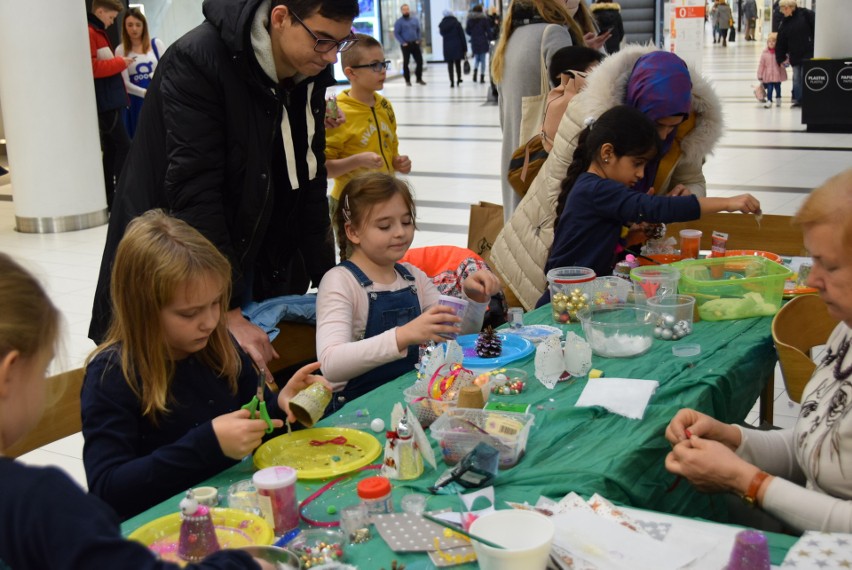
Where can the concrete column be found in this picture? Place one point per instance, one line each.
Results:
(50, 116)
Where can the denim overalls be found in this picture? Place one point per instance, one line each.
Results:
(388, 309)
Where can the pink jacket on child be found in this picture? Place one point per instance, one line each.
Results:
(768, 71)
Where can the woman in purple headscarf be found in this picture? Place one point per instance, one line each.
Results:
(688, 116)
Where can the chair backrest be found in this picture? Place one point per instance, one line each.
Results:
(774, 233)
(797, 327)
(61, 415)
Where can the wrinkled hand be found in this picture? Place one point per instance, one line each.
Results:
(481, 285)
(745, 203)
(252, 339)
(298, 382)
(370, 160)
(596, 41)
(238, 435)
(331, 123)
(710, 465)
(402, 164)
(434, 321)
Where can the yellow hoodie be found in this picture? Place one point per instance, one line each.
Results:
(367, 129)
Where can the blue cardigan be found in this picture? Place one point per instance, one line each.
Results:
(133, 464)
(589, 227)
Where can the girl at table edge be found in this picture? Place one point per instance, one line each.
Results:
(48, 521)
(598, 196)
(162, 396)
(797, 476)
(359, 345)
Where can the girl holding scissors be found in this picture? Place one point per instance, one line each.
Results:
(161, 402)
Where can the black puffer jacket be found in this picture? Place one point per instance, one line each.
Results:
(455, 42)
(209, 149)
(796, 37)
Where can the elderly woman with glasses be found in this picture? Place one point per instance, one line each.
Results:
(688, 116)
(232, 141)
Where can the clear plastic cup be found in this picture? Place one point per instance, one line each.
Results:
(675, 316)
(690, 243)
(571, 289)
(654, 280)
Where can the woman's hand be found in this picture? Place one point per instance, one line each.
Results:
(710, 466)
(238, 435)
(687, 423)
(745, 203)
(434, 321)
(331, 123)
(298, 382)
(596, 41)
(253, 340)
(481, 285)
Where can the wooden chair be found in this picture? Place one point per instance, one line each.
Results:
(296, 346)
(800, 325)
(774, 233)
(61, 415)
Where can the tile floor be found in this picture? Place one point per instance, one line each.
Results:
(453, 137)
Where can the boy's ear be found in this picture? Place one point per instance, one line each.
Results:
(348, 72)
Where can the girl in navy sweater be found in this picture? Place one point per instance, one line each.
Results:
(597, 199)
(162, 395)
(47, 520)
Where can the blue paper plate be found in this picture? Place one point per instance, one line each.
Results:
(514, 348)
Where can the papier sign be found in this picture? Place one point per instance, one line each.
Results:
(687, 30)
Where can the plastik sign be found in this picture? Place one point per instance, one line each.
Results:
(844, 79)
(816, 79)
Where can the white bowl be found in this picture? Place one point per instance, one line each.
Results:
(526, 536)
(618, 331)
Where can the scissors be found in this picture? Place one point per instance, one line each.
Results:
(258, 404)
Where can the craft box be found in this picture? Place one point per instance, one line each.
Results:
(459, 430)
(735, 287)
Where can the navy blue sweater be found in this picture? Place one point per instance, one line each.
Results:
(49, 522)
(590, 225)
(132, 464)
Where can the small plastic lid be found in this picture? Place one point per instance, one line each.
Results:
(686, 349)
(374, 488)
(274, 477)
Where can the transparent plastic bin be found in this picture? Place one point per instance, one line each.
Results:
(737, 287)
(459, 430)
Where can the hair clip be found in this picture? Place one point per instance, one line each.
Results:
(347, 215)
(589, 122)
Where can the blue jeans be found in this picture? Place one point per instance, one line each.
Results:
(797, 83)
(479, 62)
(769, 87)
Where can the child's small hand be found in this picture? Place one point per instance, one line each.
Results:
(370, 160)
(298, 382)
(481, 285)
(745, 203)
(238, 435)
(402, 164)
(434, 321)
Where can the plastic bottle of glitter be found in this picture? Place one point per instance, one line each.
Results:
(276, 497)
(375, 493)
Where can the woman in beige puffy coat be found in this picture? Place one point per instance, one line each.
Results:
(520, 251)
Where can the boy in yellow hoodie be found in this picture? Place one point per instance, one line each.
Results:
(367, 141)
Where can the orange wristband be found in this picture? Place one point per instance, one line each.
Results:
(750, 497)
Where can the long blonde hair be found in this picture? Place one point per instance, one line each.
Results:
(550, 11)
(584, 19)
(157, 255)
(125, 37)
(29, 322)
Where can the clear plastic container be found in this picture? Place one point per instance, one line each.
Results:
(675, 316)
(459, 430)
(651, 280)
(618, 331)
(571, 288)
(375, 493)
(276, 497)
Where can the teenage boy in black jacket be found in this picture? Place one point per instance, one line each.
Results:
(232, 140)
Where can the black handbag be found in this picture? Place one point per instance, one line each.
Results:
(466, 67)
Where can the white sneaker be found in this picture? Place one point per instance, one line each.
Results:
(767, 105)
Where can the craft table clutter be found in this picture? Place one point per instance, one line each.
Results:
(586, 450)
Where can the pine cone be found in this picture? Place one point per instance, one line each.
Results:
(488, 345)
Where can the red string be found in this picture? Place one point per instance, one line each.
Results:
(339, 440)
(322, 490)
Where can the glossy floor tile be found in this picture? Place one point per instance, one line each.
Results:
(453, 138)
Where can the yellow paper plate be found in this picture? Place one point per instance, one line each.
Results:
(319, 453)
(234, 529)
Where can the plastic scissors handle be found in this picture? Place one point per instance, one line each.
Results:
(257, 405)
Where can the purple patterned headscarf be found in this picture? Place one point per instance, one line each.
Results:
(659, 86)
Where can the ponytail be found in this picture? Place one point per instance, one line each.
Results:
(580, 163)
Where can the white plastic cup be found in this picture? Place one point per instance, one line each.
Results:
(459, 306)
(690, 243)
(276, 497)
(526, 538)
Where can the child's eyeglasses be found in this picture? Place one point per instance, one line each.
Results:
(377, 66)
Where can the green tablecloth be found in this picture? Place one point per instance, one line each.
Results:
(586, 450)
